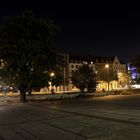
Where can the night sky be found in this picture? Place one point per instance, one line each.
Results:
(86, 28)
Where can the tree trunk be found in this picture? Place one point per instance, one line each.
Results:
(22, 89)
(30, 91)
(23, 96)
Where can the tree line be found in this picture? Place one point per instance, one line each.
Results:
(28, 56)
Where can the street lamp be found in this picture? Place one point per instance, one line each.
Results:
(52, 75)
(107, 67)
(64, 80)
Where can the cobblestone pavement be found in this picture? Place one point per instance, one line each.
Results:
(102, 118)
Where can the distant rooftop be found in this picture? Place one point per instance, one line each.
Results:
(94, 59)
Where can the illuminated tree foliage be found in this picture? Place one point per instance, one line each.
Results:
(84, 78)
(125, 79)
(27, 51)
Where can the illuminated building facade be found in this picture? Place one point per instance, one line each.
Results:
(135, 75)
(97, 63)
(133, 71)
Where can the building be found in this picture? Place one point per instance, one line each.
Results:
(74, 62)
(98, 64)
(111, 66)
(135, 75)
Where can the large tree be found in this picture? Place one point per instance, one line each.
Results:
(27, 51)
(84, 78)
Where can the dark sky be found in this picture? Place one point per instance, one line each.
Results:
(86, 28)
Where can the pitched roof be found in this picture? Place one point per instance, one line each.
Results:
(94, 59)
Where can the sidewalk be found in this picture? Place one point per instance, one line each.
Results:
(15, 97)
(12, 98)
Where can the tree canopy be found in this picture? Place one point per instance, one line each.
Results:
(27, 51)
(125, 79)
(84, 78)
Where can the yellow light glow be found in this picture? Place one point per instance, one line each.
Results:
(52, 74)
(107, 66)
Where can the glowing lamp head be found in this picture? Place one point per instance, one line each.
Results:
(107, 66)
(52, 74)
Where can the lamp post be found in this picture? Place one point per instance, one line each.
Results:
(107, 67)
(52, 75)
(64, 80)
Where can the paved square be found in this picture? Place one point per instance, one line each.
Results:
(102, 118)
